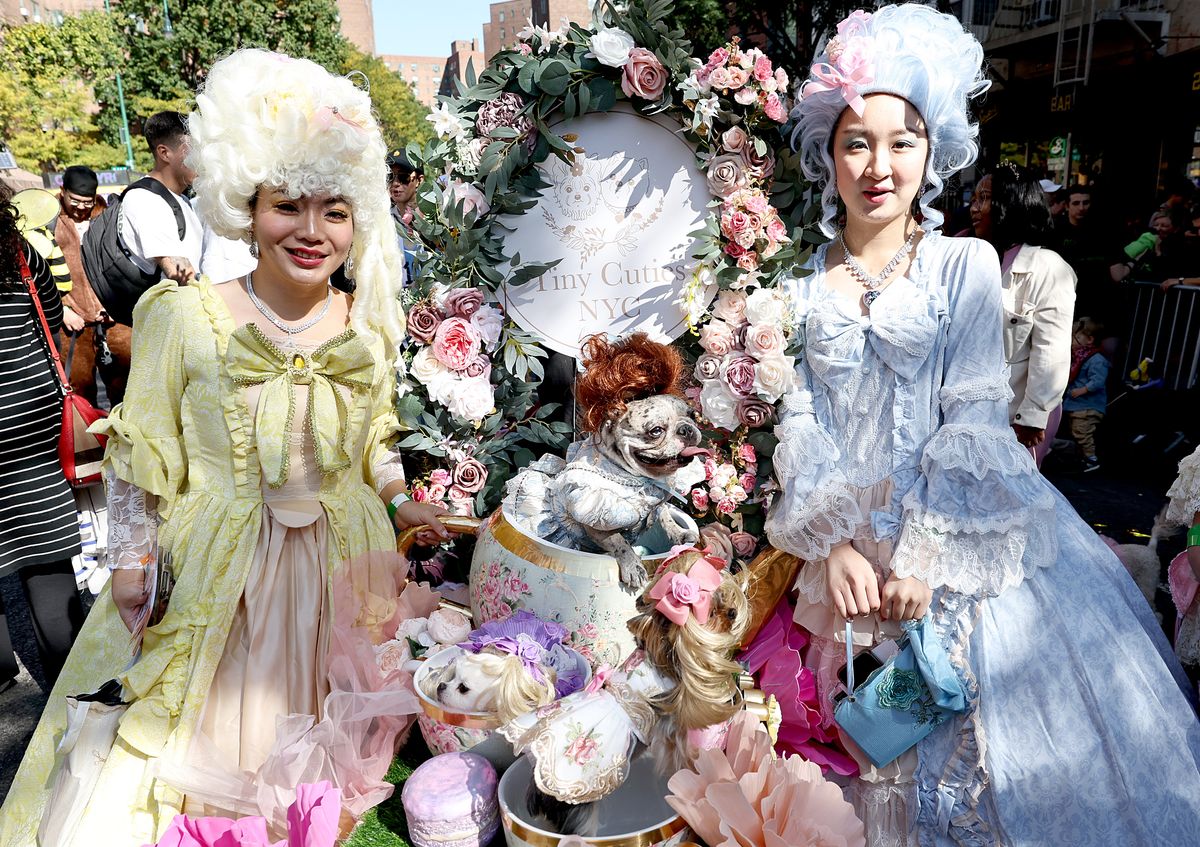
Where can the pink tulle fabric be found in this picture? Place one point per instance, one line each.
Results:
(312, 821)
(745, 797)
(365, 717)
(775, 657)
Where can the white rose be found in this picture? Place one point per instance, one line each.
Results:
(718, 405)
(766, 306)
(428, 371)
(472, 198)
(611, 46)
(774, 376)
(415, 629)
(446, 626)
(745, 96)
(489, 321)
(471, 399)
(391, 656)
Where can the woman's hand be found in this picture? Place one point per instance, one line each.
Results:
(851, 581)
(412, 514)
(71, 321)
(905, 598)
(1030, 436)
(129, 594)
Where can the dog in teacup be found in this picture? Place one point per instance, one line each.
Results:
(679, 681)
(615, 485)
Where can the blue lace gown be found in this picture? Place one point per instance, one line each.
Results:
(1081, 728)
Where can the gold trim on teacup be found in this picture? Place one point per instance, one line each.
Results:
(555, 558)
(466, 721)
(641, 839)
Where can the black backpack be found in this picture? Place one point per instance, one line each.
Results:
(117, 281)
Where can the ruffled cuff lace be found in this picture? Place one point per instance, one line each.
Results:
(132, 523)
(980, 518)
(817, 508)
(156, 465)
(1185, 492)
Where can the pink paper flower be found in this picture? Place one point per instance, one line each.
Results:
(644, 76)
(456, 343)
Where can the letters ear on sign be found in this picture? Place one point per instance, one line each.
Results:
(619, 220)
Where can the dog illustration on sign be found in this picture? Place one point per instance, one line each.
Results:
(603, 197)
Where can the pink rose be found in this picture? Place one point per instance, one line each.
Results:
(423, 321)
(462, 302)
(759, 167)
(737, 370)
(731, 308)
(717, 338)
(699, 499)
(478, 368)
(763, 340)
(644, 76)
(684, 589)
(747, 481)
(710, 469)
(748, 261)
(456, 343)
(717, 58)
(441, 476)
(461, 502)
(708, 367)
(726, 174)
(854, 23)
(781, 78)
(719, 78)
(745, 96)
(524, 49)
(744, 544)
(756, 203)
(419, 494)
(735, 250)
(734, 139)
(754, 224)
(471, 198)
(726, 506)
(754, 413)
(469, 476)
(436, 492)
(735, 224)
(391, 656)
(773, 107)
(762, 69)
(737, 78)
(747, 455)
(777, 230)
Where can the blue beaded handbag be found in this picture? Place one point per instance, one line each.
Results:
(902, 701)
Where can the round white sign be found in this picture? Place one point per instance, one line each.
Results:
(619, 219)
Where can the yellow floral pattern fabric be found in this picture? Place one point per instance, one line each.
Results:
(185, 435)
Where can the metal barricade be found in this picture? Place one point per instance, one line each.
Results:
(1166, 330)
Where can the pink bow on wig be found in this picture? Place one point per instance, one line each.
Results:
(852, 71)
(682, 595)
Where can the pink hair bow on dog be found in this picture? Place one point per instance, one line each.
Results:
(682, 595)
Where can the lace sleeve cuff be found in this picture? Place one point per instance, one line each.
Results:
(817, 508)
(132, 523)
(980, 518)
(1185, 492)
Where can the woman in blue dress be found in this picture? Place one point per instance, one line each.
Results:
(905, 491)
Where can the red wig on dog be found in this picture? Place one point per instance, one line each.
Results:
(617, 373)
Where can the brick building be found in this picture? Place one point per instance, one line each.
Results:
(511, 16)
(464, 55)
(423, 73)
(44, 11)
(358, 23)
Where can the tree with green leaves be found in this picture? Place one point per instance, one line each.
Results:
(400, 115)
(51, 78)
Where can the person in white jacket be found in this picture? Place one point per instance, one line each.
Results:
(1009, 210)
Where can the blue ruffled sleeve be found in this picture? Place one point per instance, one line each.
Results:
(979, 517)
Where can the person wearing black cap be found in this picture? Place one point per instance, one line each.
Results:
(403, 181)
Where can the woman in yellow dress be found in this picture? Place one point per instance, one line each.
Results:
(255, 443)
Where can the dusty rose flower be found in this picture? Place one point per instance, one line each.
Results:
(456, 343)
(737, 78)
(737, 369)
(478, 368)
(505, 111)
(719, 78)
(462, 302)
(731, 308)
(423, 322)
(734, 139)
(726, 174)
(699, 499)
(717, 337)
(470, 475)
(747, 481)
(760, 167)
(644, 75)
(748, 261)
(754, 413)
(708, 367)
(764, 340)
(744, 544)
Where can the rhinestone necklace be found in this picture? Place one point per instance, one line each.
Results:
(871, 283)
(290, 329)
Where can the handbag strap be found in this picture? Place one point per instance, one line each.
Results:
(850, 660)
(27, 278)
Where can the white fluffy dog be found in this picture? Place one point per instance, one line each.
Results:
(489, 681)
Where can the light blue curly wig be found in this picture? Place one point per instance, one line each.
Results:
(918, 54)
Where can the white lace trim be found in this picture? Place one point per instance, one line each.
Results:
(976, 563)
(829, 515)
(978, 451)
(389, 469)
(811, 582)
(976, 390)
(132, 522)
(798, 401)
(1185, 492)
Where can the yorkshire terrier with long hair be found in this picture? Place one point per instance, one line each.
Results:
(692, 616)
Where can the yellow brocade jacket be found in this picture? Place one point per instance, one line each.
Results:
(185, 435)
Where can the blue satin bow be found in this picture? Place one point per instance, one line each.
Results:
(934, 665)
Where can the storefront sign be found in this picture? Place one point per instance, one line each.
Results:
(619, 220)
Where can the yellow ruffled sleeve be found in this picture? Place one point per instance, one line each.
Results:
(382, 464)
(145, 432)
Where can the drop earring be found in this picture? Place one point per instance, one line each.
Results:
(253, 248)
(349, 266)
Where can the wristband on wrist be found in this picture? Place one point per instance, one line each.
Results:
(396, 502)
(1193, 536)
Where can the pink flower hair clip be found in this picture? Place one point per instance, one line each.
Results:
(681, 596)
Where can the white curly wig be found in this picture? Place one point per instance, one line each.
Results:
(909, 50)
(266, 120)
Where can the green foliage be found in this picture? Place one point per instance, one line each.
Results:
(400, 115)
(49, 78)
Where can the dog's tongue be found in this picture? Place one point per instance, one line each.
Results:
(690, 452)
